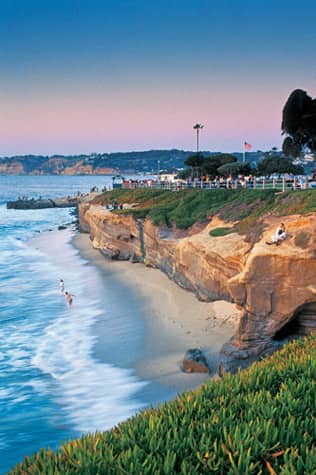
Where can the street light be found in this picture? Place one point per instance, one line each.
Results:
(198, 127)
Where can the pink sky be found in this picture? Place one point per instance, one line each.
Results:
(71, 122)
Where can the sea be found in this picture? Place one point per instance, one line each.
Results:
(53, 387)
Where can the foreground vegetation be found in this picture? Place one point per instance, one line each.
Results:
(185, 208)
(259, 421)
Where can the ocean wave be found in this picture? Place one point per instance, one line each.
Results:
(51, 385)
(58, 342)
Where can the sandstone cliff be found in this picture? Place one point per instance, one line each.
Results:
(14, 168)
(275, 286)
(51, 166)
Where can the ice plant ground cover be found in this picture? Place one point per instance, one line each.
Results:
(258, 421)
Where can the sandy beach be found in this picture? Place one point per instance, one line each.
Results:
(148, 321)
(175, 320)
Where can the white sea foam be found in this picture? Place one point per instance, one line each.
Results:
(36, 409)
(91, 394)
(94, 395)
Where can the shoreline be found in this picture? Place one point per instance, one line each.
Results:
(174, 320)
(148, 321)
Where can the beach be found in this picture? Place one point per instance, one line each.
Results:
(148, 321)
(175, 320)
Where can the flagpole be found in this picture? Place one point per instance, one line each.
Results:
(244, 153)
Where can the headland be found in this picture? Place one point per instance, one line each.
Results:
(213, 243)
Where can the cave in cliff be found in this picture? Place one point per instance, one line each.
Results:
(302, 323)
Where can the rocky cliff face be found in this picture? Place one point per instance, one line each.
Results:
(275, 286)
(53, 166)
(81, 169)
(13, 168)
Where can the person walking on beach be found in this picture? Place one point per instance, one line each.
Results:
(68, 298)
(61, 286)
(279, 235)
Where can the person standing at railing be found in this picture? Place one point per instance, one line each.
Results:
(243, 182)
(302, 182)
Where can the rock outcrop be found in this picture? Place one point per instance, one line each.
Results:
(274, 286)
(70, 202)
(195, 362)
(115, 235)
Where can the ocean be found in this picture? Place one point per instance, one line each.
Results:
(53, 387)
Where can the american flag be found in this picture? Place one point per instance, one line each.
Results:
(247, 146)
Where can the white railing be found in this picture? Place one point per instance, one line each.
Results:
(258, 184)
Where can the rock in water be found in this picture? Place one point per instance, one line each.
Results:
(195, 362)
(43, 203)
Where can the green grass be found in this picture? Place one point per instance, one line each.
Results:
(256, 421)
(245, 208)
(218, 232)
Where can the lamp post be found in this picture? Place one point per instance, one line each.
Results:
(198, 127)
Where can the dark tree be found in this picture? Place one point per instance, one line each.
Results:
(195, 162)
(212, 163)
(276, 164)
(234, 169)
(210, 166)
(225, 158)
(291, 149)
(299, 123)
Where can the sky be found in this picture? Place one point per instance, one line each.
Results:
(85, 76)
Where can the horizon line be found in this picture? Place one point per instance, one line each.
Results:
(131, 151)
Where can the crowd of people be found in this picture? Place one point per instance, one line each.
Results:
(230, 182)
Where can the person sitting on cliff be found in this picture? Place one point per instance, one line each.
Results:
(279, 235)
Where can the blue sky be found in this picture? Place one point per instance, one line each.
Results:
(92, 75)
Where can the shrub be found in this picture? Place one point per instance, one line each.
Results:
(221, 231)
(258, 421)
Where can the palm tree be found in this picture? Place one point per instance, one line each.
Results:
(197, 127)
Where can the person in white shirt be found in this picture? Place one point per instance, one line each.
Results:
(279, 235)
(61, 286)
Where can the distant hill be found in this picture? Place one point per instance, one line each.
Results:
(101, 163)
